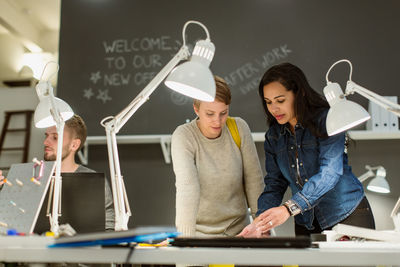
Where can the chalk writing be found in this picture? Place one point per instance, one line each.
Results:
(129, 61)
(242, 73)
(138, 44)
(116, 79)
(142, 78)
(248, 75)
(273, 56)
(179, 99)
(118, 62)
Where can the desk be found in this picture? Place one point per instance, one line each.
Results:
(19, 250)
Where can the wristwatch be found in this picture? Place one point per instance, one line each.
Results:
(292, 207)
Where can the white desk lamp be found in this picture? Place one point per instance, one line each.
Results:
(192, 78)
(378, 184)
(49, 112)
(344, 114)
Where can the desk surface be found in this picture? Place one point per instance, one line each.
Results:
(12, 250)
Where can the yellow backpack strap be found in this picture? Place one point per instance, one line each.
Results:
(231, 123)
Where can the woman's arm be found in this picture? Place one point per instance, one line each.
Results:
(331, 151)
(275, 184)
(269, 200)
(252, 173)
(186, 181)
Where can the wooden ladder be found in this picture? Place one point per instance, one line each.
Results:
(26, 130)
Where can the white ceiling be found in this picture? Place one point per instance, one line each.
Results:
(27, 26)
(44, 14)
(30, 20)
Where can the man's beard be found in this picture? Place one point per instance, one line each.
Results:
(53, 157)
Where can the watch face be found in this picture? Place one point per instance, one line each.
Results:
(293, 208)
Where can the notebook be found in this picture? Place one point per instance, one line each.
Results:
(138, 234)
(82, 203)
(270, 242)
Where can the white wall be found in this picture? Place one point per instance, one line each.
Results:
(11, 54)
(19, 99)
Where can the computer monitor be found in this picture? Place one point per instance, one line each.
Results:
(82, 203)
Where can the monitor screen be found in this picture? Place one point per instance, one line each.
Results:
(82, 203)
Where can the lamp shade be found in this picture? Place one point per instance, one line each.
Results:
(379, 185)
(194, 78)
(343, 114)
(43, 117)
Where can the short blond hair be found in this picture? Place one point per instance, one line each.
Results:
(222, 94)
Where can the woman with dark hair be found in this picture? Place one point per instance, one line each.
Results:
(300, 154)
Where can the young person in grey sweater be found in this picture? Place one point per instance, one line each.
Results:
(216, 180)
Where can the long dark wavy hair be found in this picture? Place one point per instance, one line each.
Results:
(307, 101)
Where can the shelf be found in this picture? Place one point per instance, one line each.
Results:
(165, 140)
(373, 135)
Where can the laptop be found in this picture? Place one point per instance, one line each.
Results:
(269, 242)
(82, 203)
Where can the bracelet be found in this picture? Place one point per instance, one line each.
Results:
(292, 207)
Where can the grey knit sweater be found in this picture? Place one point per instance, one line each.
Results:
(216, 181)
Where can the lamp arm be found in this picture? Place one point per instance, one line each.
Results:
(45, 67)
(121, 204)
(56, 203)
(114, 124)
(396, 208)
(352, 87)
(334, 64)
(366, 175)
(121, 118)
(194, 22)
(396, 216)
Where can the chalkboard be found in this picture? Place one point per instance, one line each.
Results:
(110, 50)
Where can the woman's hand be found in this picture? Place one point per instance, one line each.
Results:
(271, 218)
(252, 231)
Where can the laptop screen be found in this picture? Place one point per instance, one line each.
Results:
(269, 242)
(82, 203)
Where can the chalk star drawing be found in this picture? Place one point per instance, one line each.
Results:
(95, 76)
(88, 93)
(103, 96)
(179, 99)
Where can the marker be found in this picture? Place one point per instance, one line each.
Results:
(22, 210)
(35, 181)
(3, 224)
(13, 203)
(19, 182)
(35, 160)
(8, 182)
(41, 165)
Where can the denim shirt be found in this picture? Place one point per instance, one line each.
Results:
(322, 183)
